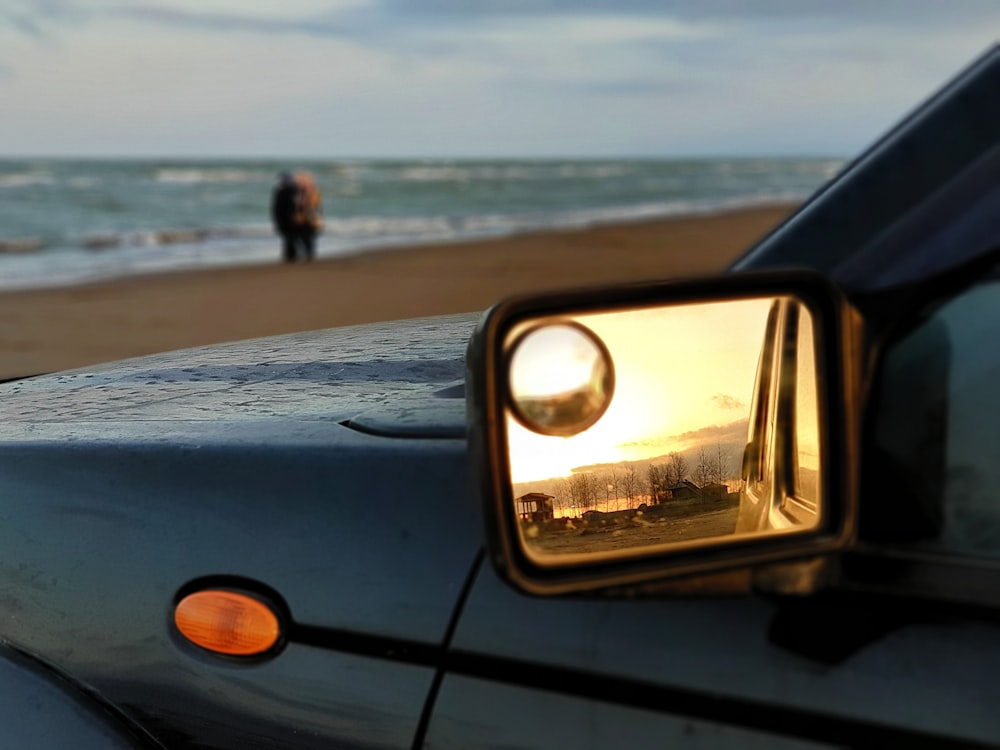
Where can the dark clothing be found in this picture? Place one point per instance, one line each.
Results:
(289, 246)
(295, 212)
(299, 241)
(307, 240)
(283, 207)
(284, 204)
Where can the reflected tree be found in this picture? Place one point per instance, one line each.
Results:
(720, 465)
(676, 468)
(703, 471)
(613, 484)
(563, 497)
(584, 490)
(656, 482)
(629, 479)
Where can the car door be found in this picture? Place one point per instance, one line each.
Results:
(861, 664)
(530, 673)
(931, 479)
(856, 666)
(906, 653)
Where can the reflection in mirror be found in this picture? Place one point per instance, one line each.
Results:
(705, 429)
(561, 379)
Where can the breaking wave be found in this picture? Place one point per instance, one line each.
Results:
(63, 221)
(182, 176)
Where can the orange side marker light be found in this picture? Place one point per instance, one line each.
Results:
(227, 622)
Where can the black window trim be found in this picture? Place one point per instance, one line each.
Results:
(970, 584)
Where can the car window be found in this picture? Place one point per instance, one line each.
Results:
(934, 468)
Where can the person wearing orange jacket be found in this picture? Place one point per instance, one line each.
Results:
(308, 215)
(296, 212)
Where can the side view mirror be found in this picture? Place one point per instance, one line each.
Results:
(659, 431)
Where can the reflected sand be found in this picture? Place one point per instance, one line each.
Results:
(649, 526)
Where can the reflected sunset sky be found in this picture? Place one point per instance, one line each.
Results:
(678, 370)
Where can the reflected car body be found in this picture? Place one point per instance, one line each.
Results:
(327, 475)
(777, 492)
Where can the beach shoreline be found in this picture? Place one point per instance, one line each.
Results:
(51, 329)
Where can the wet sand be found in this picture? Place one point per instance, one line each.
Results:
(56, 329)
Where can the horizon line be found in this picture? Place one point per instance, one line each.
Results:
(399, 157)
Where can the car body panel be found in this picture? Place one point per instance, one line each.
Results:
(306, 697)
(121, 486)
(713, 658)
(319, 376)
(513, 718)
(41, 708)
(146, 451)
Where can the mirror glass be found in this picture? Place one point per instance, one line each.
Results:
(561, 378)
(670, 426)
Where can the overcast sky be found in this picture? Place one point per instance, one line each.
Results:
(415, 78)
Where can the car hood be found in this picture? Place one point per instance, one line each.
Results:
(329, 467)
(398, 379)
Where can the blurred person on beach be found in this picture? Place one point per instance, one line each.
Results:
(308, 218)
(283, 214)
(296, 214)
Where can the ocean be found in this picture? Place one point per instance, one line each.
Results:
(66, 222)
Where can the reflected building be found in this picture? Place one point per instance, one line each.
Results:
(535, 506)
(683, 490)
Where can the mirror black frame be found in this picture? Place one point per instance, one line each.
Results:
(837, 367)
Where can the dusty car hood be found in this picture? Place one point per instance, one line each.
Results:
(400, 379)
(328, 466)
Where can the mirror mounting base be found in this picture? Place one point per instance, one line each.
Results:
(795, 578)
(738, 582)
(833, 626)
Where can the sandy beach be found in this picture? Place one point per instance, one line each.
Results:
(56, 329)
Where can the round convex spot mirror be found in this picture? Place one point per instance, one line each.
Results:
(561, 378)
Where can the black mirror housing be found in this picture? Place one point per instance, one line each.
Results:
(794, 498)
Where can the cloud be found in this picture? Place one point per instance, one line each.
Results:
(723, 401)
(610, 21)
(731, 438)
(894, 13)
(161, 16)
(24, 24)
(486, 78)
(302, 17)
(731, 432)
(33, 15)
